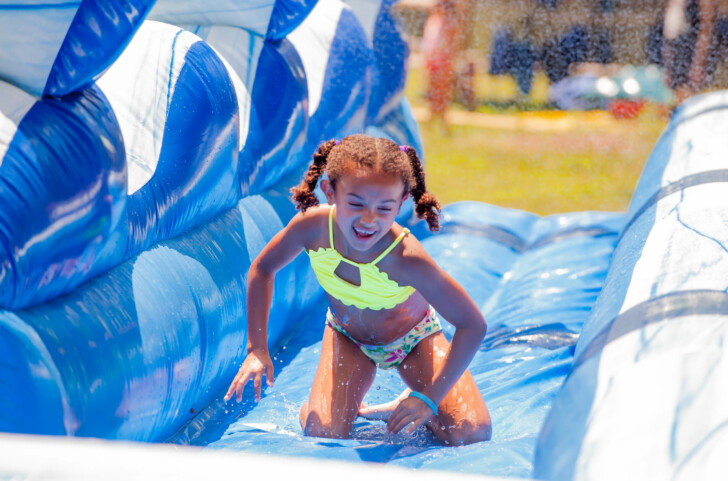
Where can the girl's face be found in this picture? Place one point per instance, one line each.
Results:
(366, 205)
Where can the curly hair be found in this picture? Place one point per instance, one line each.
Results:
(365, 152)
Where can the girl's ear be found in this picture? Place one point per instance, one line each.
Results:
(328, 190)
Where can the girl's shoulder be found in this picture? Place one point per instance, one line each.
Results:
(312, 226)
(409, 249)
(408, 263)
(314, 214)
(411, 264)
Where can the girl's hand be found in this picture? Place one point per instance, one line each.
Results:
(255, 364)
(411, 411)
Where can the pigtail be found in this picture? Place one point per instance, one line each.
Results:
(426, 205)
(303, 195)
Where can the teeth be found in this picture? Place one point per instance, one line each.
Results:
(363, 232)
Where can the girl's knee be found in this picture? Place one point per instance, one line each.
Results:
(468, 434)
(479, 434)
(315, 428)
(303, 415)
(313, 425)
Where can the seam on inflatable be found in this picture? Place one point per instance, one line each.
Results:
(570, 234)
(707, 177)
(495, 233)
(669, 306)
(690, 116)
(516, 243)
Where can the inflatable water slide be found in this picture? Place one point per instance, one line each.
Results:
(146, 153)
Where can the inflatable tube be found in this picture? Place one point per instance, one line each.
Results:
(62, 188)
(162, 333)
(64, 45)
(650, 366)
(278, 118)
(269, 79)
(91, 459)
(136, 206)
(178, 112)
(239, 51)
(400, 126)
(172, 101)
(272, 19)
(389, 51)
(337, 60)
(253, 16)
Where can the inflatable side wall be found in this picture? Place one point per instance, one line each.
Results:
(141, 177)
(646, 395)
(56, 48)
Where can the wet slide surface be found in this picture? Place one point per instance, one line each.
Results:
(535, 279)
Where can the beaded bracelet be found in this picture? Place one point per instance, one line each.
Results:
(426, 400)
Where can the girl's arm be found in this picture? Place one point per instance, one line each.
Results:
(282, 249)
(453, 303)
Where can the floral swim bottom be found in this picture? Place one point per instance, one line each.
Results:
(391, 355)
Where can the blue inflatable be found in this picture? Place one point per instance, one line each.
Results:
(135, 199)
(56, 47)
(139, 181)
(648, 380)
(62, 187)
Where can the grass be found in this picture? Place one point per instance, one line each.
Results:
(555, 162)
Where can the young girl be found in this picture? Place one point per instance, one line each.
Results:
(383, 290)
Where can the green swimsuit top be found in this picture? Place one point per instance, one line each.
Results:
(377, 291)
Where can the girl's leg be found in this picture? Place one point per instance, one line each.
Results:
(343, 377)
(463, 417)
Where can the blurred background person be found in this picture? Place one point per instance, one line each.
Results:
(688, 33)
(443, 40)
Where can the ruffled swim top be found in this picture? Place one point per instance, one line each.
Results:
(377, 291)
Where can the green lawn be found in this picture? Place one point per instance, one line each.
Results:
(592, 164)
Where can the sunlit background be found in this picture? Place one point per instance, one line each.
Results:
(556, 104)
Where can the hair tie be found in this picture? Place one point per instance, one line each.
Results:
(403, 148)
(336, 142)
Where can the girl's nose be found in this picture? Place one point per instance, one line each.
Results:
(368, 217)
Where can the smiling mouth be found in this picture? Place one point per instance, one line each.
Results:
(363, 234)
